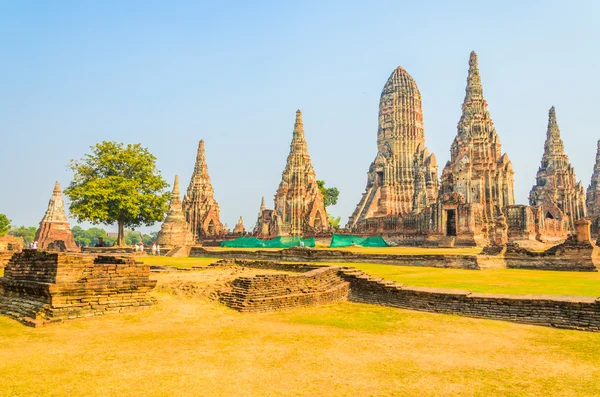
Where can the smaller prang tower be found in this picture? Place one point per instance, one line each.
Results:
(556, 184)
(55, 227)
(200, 208)
(175, 231)
(299, 204)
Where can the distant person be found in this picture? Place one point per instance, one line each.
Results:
(154, 249)
(142, 247)
(157, 249)
(137, 247)
(35, 244)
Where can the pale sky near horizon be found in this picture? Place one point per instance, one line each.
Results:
(167, 74)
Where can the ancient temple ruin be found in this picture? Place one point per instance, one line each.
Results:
(199, 205)
(556, 189)
(403, 178)
(593, 195)
(239, 227)
(477, 182)
(55, 232)
(473, 204)
(299, 204)
(175, 231)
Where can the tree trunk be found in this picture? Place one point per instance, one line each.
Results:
(121, 237)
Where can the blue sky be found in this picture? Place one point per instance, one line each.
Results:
(167, 74)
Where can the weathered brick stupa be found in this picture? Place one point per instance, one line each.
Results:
(239, 227)
(54, 231)
(175, 231)
(478, 174)
(555, 183)
(199, 205)
(402, 162)
(299, 204)
(593, 194)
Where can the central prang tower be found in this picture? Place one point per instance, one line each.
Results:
(403, 177)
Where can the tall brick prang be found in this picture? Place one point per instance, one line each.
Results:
(403, 163)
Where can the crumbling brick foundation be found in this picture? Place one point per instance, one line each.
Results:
(42, 287)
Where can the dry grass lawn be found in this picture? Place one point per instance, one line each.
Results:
(196, 347)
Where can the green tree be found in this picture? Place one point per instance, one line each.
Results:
(330, 195)
(4, 224)
(117, 183)
(333, 221)
(28, 233)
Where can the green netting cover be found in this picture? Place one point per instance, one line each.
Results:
(278, 242)
(339, 240)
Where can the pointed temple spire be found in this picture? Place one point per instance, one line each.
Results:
(175, 231)
(298, 201)
(593, 191)
(262, 204)
(478, 171)
(474, 90)
(55, 225)
(199, 205)
(556, 183)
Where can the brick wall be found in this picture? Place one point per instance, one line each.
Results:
(579, 313)
(39, 287)
(309, 255)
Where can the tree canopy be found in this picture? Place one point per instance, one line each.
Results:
(28, 233)
(330, 195)
(4, 224)
(117, 183)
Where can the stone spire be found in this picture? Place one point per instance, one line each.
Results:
(175, 231)
(262, 204)
(556, 183)
(477, 170)
(54, 226)
(593, 191)
(199, 205)
(299, 203)
(239, 227)
(401, 153)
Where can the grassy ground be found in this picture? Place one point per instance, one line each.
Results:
(176, 262)
(505, 281)
(192, 347)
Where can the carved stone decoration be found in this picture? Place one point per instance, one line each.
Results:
(299, 204)
(55, 225)
(555, 183)
(200, 208)
(175, 231)
(477, 168)
(402, 164)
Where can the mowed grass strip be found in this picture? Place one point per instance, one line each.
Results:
(176, 261)
(503, 281)
(192, 347)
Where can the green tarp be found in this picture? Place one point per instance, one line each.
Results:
(278, 242)
(339, 240)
